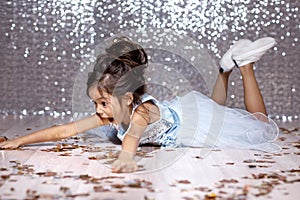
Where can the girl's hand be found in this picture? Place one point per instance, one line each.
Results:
(8, 144)
(125, 163)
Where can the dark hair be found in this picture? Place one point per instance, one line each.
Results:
(120, 69)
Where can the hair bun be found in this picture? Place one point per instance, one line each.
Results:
(127, 51)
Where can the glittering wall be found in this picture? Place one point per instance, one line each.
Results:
(45, 43)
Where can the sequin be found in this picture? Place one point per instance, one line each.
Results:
(44, 42)
(154, 134)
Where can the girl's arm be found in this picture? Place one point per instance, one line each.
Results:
(130, 143)
(56, 132)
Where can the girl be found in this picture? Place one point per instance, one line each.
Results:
(117, 87)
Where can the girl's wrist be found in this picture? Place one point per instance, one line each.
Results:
(17, 142)
(126, 155)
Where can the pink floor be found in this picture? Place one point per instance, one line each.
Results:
(79, 168)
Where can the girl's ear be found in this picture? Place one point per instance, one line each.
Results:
(128, 98)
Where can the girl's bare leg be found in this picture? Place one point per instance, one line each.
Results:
(219, 94)
(252, 96)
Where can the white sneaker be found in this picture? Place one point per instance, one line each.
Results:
(226, 62)
(252, 52)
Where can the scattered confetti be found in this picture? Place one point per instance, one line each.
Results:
(210, 196)
(262, 184)
(184, 181)
(229, 163)
(288, 131)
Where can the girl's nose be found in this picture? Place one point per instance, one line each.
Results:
(99, 110)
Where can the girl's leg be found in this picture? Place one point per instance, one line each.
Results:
(252, 96)
(219, 93)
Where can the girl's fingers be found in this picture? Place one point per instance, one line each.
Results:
(8, 145)
(3, 145)
(118, 166)
(131, 167)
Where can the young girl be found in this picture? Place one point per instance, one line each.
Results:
(117, 87)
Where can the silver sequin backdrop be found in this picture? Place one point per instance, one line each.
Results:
(44, 45)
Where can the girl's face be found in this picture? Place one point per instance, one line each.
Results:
(110, 107)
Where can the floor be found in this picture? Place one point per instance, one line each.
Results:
(79, 168)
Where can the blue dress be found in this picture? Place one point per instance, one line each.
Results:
(195, 120)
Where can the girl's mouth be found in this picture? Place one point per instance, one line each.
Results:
(110, 119)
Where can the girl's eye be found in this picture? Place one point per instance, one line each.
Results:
(103, 103)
